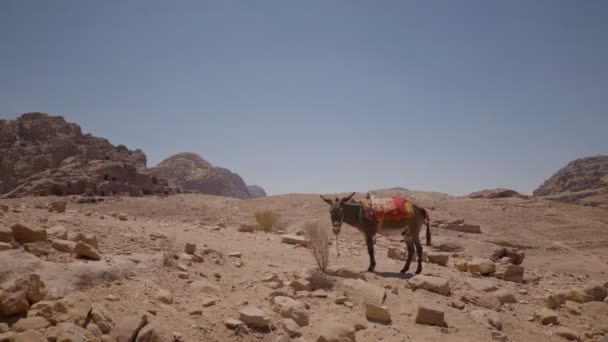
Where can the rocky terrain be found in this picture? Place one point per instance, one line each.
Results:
(45, 155)
(191, 172)
(582, 181)
(496, 193)
(194, 267)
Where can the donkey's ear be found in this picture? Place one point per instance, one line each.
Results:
(328, 201)
(345, 199)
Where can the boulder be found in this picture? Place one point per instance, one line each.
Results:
(430, 315)
(23, 233)
(488, 318)
(154, 332)
(505, 296)
(38, 248)
(461, 266)
(377, 313)
(294, 240)
(58, 232)
(293, 309)
(24, 291)
(596, 290)
(123, 217)
(332, 331)
(568, 334)
(58, 206)
(84, 250)
(514, 273)
(440, 259)
(430, 283)
(255, 317)
(361, 292)
(30, 323)
(127, 329)
(204, 286)
(481, 266)
(554, 301)
(64, 246)
(546, 317)
(6, 234)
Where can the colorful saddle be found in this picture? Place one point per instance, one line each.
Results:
(378, 210)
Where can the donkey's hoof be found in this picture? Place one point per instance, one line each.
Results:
(418, 271)
(404, 271)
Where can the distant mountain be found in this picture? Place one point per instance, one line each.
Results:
(42, 154)
(191, 172)
(256, 191)
(496, 193)
(582, 181)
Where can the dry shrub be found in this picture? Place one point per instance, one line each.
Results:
(318, 237)
(168, 251)
(267, 220)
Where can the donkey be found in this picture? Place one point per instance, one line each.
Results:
(348, 211)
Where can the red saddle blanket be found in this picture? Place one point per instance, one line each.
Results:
(393, 208)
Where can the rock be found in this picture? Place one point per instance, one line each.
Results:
(513, 257)
(247, 228)
(5, 246)
(449, 247)
(102, 318)
(505, 297)
(289, 308)
(89, 239)
(482, 285)
(345, 272)
(460, 226)
(70, 332)
(574, 295)
(208, 302)
(7, 337)
(430, 316)
(488, 318)
(12, 303)
(232, 324)
(58, 207)
(301, 285)
(294, 240)
(93, 328)
(331, 331)
(4, 328)
(38, 248)
(235, 255)
(63, 246)
(183, 275)
(567, 333)
(291, 328)
(554, 301)
(546, 316)
(23, 233)
(498, 336)
(204, 286)
(514, 273)
(396, 253)
(255, 317)
(457, 304)
(377, 313)
(430, 283)
(596, 290)
(481, 299)
(122, 216)
(31, 336)
(440, 259)
(30, 323)
(461, 266)
(164, 296)
(6, 234)
(572, 308)
(128, 328)
(84, 250)
(155, 332)
(190, 248)
(361, 292)
(481, 266)
(24, 291)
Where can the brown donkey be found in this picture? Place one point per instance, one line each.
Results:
(346, 210)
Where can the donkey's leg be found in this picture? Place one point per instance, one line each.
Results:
(419, 252)
(369, 240)
(410, 255)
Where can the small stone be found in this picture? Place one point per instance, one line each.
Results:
(122, 216)
(461, 266)
(5, 246)
(255, 317)
(156, 332)
(290, 308)
(360, 326)
(522, 292)
(29, 336)
(23, 233)
(247, 228)
(196, 312)
(341, 300)
(232, 324)
(64, 246)
(481, 299)
(84, 237)
(331, 331)
(164, 296)
(58, 232)
(58, 206)
(183, 275)
(456, 304)
(30, 323)
(440, 259)
(111, 298)
(514, 273)
(190, 248)
(481, 266)
(301, 285)
(596, 290)
(546, 316)
(568, 334)
(128, 328)
(498, 336)
(377, 313)
(87, 251)
(488, 318)
(572, 308)
(294, 240)
(319, 294)
(430, 316)
(505, 297)
(482, 285)
(208, 302)
(38, 248)
(396, 254)
(430, 283)
(291, 328)
(182, 268)
(235, 255)
(94, 329)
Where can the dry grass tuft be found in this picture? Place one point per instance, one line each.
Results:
(318, 237)
(169, 251)
(267, 220)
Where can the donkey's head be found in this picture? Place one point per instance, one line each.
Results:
(336, 211)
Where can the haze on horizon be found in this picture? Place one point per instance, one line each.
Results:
(321, 97)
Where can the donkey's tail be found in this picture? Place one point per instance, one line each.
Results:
(427, 220)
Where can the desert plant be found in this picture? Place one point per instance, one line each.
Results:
(168, 251)
(318, 237)
(266, 219)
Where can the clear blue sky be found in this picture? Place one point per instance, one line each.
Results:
(323, 96)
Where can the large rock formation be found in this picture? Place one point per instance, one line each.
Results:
(256, 191)
(496, 193)
(45, 155)
(583, 181)
(192, 173)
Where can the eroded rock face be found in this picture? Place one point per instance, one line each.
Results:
(192, 173)
(45, 155)
(582, 181)
(256, 191)
(496, 193)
